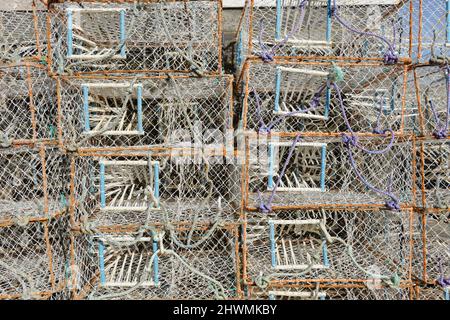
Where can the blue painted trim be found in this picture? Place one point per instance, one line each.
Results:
(327, 102)
(326, 262)
(448, 21)
(101, 255)
(69, 32)
(155, 264)
(87, 126)
(277, 89)
(102, 186)
(270, 183)
(156, 182)
(322, 167)
(329, 22)
(122, 33)
(139, 109)
(278, 21)
(272, 245)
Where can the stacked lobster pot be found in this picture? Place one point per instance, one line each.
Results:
(329, 166)
(431, 109)
(33, 173)
(144, 111)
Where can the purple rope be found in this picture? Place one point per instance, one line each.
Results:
(441, 131)
(393, 203)
(262, 126)
(443, 282)
(353, 140)
(267, 208)
(268, 55)
(390, 56)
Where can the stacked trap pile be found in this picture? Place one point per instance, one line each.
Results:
(345, 112)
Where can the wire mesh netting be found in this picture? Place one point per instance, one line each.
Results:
(129, 190)
(346, 28)
(27, 105)
(144, 111)
(324, 244)
(189, 262)
(299, 97)
(166, 36)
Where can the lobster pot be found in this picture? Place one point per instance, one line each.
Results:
(431, 29)
(433, 174)
(33, 183)
(189, 262)
(331, 291)
(433, 83)
(324, 244)
(27, 105)
(23, 35)
(145, 111)
(129, 190)
(326, 172)
(32, 259)
(433, 293)
(432, 247)
(299, 97)
(164, 36)
(325, 28)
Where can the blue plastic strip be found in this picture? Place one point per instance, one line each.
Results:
(329, 21)
(156, 191)
(122, 33)
(278, 22)
(69, 33)
(87, 126)
(239, 50)
(155, 264)
(139, 109)
(272, 245)
(102, 186)
(101, 256)
(277, 89)
(327, 102)
(447, 294)
(271, 165)
(448, 21)
(326, 262)
(271, 297)
(322, 167)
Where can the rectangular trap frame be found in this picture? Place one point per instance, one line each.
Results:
(315, 31)
(211, 251)
(33, 183)
(293, 246)
(143, 37)
(27, 105)
(32, 255)
(274, 96)
(320, 172)
(143, 111)
(129, 189)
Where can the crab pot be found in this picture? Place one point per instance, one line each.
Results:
(33, 183)
(329, 290)
(432, 247)
(431, 29)
(433, 178)
(27, 105)
(300, 97)
(32, 259)
(175, 36)
(326, 172)
(328, 245)
(128, 190)
(432, 84)
(310, 28)
(122, 112)
(190, 262)
(23, 35)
